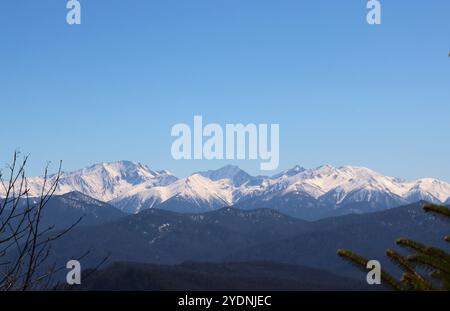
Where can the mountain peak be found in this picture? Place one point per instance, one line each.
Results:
(106, 181)
(325, 168)
(290, 172)
(231, 172)
(132, 172)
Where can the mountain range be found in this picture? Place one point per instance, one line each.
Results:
(231, 235)
(305, 193)
(155, 228)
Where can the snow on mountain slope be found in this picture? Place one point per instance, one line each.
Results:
(199, 191)
(106, 181)
(132, 187)
(336, 187)
(237, 176)
(326, 184)
(343, 180)
(291, 172)
(348, 180)
(428, 189)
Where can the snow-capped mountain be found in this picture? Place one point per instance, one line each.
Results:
(327, 190)
(233, 173)
(290, 172)
(307, 193)
(196, 192)
(106, 181)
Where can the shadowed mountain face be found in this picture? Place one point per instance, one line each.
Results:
(368, 234)
(63, 211)
(163, 237)
(304, 206)
(233, 235)
(260, 276)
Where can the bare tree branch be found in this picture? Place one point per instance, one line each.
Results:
(24, 246)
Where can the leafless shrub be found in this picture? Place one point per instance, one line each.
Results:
(24, 245)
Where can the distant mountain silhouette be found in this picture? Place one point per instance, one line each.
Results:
(233, 235)
(62, 211)
(367, 234)
(163, 237)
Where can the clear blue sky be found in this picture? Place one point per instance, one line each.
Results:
(342, 91)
